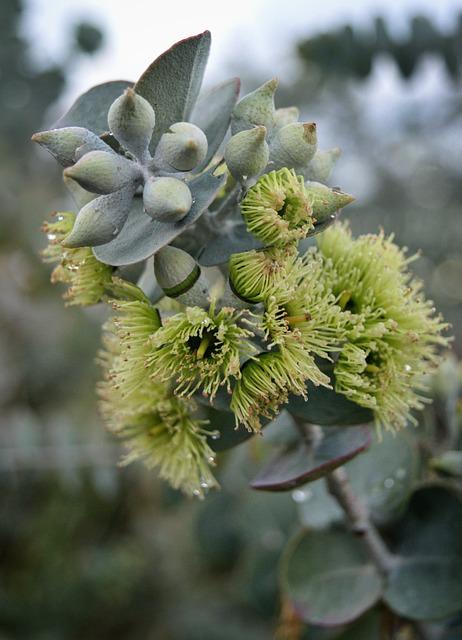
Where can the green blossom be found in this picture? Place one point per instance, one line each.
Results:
(201, 350)
(393, 332)
(278, 209)
(156, 426)
(86, 277)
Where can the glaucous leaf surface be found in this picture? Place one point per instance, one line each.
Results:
(302, 462)
(383, 477)
(328, 578)
(173, 81)
(426, 584)
(221, 247)
(141, 236)
(212, 113)
(90, 109)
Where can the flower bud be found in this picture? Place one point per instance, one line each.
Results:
(322, 164)
(101, 220)
(294, 145)
(325, 200)
(256, 108)
(179, 276)
(247, 153)
(131, 119)
(63, 143)
(284, 116)
(166, 199)
(102, 172)
(183, 147)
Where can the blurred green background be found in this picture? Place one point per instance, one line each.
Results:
(90, 550)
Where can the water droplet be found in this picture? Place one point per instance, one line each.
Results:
(51, 237)
(215, 435)
(401, 473)
(60, 218)
(196, 492)
(407, 368)
(300, 495)
(388, 483)
(211, 459)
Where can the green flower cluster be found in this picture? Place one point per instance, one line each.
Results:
(393, 335)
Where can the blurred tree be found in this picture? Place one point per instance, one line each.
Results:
(349, 52)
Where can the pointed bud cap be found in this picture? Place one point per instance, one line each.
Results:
(166, 199)
(131, 119)
(102, 172)
(183, 147)
(247, 153)
(256, 108)
(322, 164)
(284, 116)
(175, 270)
(101, 220)
(294, 145)
(64, 143)
(326, 201)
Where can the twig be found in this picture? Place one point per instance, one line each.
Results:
(359, 520)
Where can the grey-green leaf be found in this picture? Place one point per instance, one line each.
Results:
(326, 575)
(426, 584)
(212, 113)
(173, 81)
(90, 109)
(220, 248)
(302, 463)
(141, 236)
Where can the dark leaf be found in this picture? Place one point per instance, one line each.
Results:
(90, 109)
(426, 584)
(142, 236)
(304, 463)
(173, 81)
(326, 575)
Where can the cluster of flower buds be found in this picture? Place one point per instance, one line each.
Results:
(116, 176)
(229, 308)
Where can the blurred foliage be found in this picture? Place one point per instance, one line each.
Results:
(90, 551)
(350, 52)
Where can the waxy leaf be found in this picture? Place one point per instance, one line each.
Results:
(173, 81)
(426, 583)
(326, 407)
(328, 578)
(304, 462)
(212, 114)
(142, 236)
(383, 478)
(220, 248)
(90, 109)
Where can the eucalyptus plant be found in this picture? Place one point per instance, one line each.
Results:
(239, 300)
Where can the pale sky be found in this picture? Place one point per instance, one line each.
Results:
(263, 31)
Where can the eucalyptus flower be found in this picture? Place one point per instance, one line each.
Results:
(86, 277)
(200, 349)
(156, 426)
(277, 209)
(394, 334)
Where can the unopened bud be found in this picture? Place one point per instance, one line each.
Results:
(294, 145)
(131, 119)
(183, 147)
(326, 201)
(102, 172)
(256, 108)
(284, 116)
(247, 153)
(180, 277)
(63, 143)
(322, 164)
(101, 220)
(166, 199)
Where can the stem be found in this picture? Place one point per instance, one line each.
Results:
(359, 520)
(205, 342)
